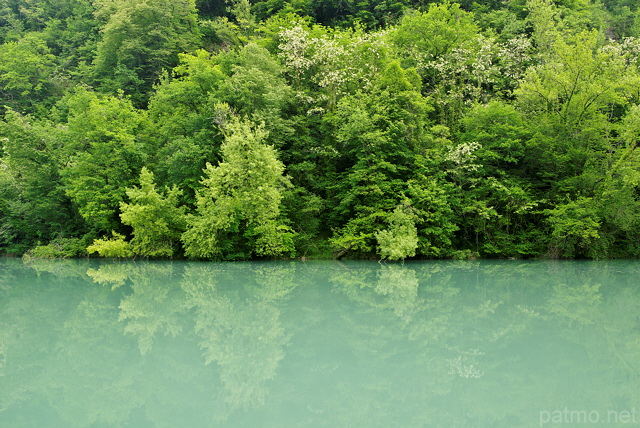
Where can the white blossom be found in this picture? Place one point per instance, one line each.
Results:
(463, 156)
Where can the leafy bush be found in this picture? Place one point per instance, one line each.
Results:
(114, 247)
(59, 249)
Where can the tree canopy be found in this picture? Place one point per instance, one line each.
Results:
(377, 128)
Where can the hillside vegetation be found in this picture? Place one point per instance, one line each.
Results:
(315, 128)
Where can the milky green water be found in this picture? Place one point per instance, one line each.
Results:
(319, 344)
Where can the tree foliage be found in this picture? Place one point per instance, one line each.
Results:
(400, 240)
(139, 40)
(238, 207)
(265, 128)
(99, 155)
(157, 220)
(26, 73)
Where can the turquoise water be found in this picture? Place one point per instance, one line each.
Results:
(319, 344)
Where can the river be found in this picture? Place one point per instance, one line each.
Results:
(86, 343)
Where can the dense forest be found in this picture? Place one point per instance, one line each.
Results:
(383, 129)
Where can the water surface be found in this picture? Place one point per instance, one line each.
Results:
(319, 344)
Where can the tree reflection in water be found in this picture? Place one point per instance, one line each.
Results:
(163, 344)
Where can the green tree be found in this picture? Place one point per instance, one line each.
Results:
(478, 71)
(576, 83)
(568, 101)
(100, 155)
(377, 134)
(574, 101)
(254, 87)
(433, 200)
(183, 122)
(187, 110)
(497, 203)
(456, 63)
(400, 240)
(157, 221)
(139, 39)
(615, 203)
(26, 73)
(422, 37)
(116, 246)
(574, 229)
(545, 19)
(72, 33)
(238, 207)
(34, 205)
